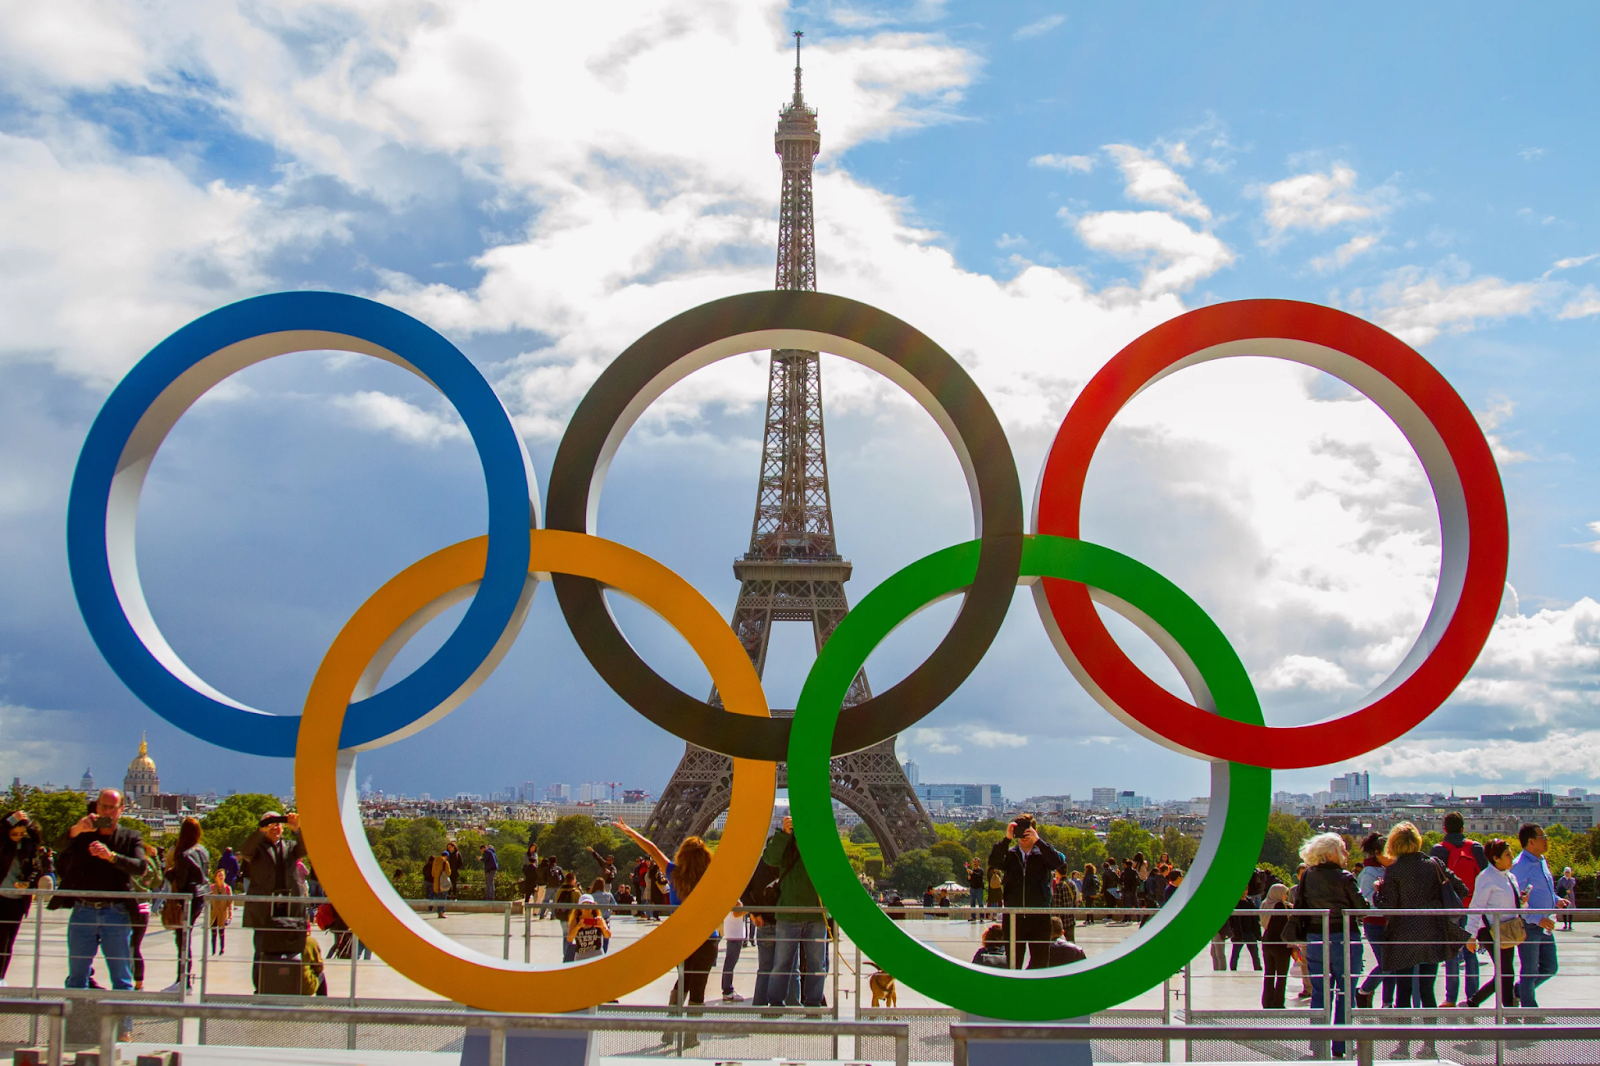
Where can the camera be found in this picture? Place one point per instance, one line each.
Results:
(1025, 823)
(19, 818)
(276, 819)
(104, 821)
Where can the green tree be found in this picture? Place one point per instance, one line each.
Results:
(1123, 838)
(916, 870)
(953, 853)
(861, 833)
(872, 867)
(1285, 834)
(949, 831)
(1077, 846)
(52, 812)
(568, 838)
(235, 818)
(981, 841)
(1179, 846)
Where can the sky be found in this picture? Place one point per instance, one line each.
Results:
(1033, 186)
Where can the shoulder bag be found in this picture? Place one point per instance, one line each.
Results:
(1456, 935)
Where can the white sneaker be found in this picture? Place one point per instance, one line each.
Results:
(733, 997)
(174, 987)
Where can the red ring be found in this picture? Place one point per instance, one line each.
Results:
(1409, 381)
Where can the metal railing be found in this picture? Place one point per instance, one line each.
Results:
(1362, 1036)
(55, 1010)
(498, 1025)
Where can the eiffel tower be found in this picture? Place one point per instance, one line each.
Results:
(793, 571)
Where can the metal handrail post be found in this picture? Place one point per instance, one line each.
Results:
(1166, 1017)
(1327, 971)
(58, 1037)
(505, 948)
(1500, 979)
(902, 1047)
(109, 1018)
(497, 1045)
(38, 930)
(1011, 927)
(1188, 1008)
(527, 930)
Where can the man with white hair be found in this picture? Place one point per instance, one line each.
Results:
(99, 855)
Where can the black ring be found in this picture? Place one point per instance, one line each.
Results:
(661, 357)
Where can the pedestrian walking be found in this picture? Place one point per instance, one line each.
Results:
(1245, 929)
(1026, 863)
(976, 883)
(19, 856)
(221, 909)
(1465, 858)
(456, 860)
(530, 877)
(1374, 861)
(188, 871)
(229, 865)
(1537, 953)
(1415, 945)
(490, 860)
(99, 855)
(1275, 976)
(1567, 889)
(1497, 889)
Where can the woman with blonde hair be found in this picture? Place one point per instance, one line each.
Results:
(1415, 946)
(1328, 886)
(1275, 980)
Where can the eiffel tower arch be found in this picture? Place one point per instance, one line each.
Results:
(793, 571)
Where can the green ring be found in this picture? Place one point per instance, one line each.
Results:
(1228, 851)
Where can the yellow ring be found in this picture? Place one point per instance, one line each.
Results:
(326, 789)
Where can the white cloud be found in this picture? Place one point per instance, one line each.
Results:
(1586, 303)
(994, 738)
(38, 742)
(1570, 262)
(1039, 27)
(1593, 545)
(1304, 672)
(1150, 181)
(1010, 240)
(391, 414)
(1492, 419)
(1318, 201)
(1080, 163)
(1174, 255)
(1566, 753)
(1341, 256)
(102, 255)
(1417, 308)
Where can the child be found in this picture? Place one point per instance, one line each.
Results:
(221, 911)
(587, 932)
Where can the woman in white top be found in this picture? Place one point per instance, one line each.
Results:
(1495, 889)
(733, 938)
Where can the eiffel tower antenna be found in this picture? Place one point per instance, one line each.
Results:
(793, 571)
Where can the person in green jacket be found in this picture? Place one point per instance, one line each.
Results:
(800, 925)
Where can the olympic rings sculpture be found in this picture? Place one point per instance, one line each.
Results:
(345, 714)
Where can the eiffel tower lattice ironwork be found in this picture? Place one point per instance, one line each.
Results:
(793, 571)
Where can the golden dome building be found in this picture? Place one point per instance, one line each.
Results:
(142, 784)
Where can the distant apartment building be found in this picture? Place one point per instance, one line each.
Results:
(558, 793)
(1350, 788)
(913, 772)
(958, 795)
(1103, 798)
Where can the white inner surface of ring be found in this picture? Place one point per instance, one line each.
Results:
(1448, 493)
(122, 507)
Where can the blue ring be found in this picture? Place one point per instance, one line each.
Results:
(495, 608)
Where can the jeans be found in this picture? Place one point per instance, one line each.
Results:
(766, 945)
(488, 884)
(1418, 992)
(730, 959)
(1539, 964)
(12, 911)
(1375, 934)
(1331, 965)
(808, 939)
(1452, 972)
(106, 929)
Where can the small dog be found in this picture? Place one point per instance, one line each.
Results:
(883, 989)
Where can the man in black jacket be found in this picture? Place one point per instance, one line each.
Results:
(271, 863)
(99, 855)
(1026, 863)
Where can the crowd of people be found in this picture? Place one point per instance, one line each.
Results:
(1025, 884)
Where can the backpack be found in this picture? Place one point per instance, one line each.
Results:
(997, 878)
(1462, 863)
(588, 942)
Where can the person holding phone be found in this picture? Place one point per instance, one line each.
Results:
(99, 855)
(19, 853)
